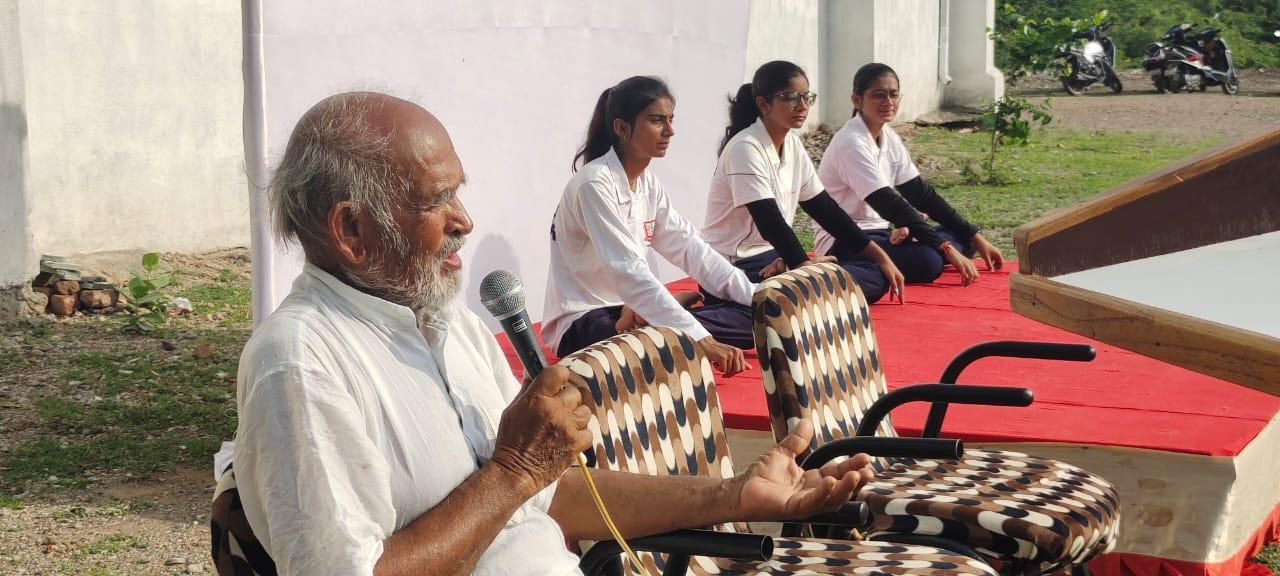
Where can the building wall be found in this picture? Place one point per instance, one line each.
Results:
(15, 231)
(133, 114)
(907, 40)
(972, 54)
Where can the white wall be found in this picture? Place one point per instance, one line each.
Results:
(972, 58)
(793, 30)
(133, 123)
(15, 233)
(515, 83)
(907, 40)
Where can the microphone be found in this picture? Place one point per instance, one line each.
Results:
(502, 294)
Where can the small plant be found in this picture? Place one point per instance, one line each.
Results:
(147, 300)
(1005, 119)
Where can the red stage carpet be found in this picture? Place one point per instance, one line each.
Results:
(1199, 494)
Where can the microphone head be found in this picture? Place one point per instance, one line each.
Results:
(502, 293)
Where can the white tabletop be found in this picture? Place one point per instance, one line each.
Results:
(1235, 283)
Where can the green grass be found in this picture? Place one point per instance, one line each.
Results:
(1269, 557)
(120, 403)
(111, 544)
(1058, 168)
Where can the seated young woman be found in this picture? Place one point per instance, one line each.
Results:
(764, 173)
(611, 213)
(869, 172)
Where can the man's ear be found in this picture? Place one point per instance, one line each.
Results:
(350, 232)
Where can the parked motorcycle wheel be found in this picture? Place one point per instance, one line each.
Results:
(1071, 87)
(1114, 84)
(1160, 85)
(1232, 85)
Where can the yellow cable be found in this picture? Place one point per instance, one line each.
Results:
(608, 521)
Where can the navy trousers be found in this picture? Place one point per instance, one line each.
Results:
(919, 263)
(728, 322)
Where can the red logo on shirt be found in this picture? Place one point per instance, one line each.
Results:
(648, 231)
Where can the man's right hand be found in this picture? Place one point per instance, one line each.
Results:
(727, 359)
(543, 430)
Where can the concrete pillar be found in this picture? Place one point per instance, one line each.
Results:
(851, 42)
(17, 261)
(974, 75)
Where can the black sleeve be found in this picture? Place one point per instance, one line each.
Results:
(921, 195)
(773, 227)
(895, 209)
(831, 217)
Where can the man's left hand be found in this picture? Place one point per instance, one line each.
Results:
(775, 488)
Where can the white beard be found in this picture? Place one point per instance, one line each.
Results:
(417, 281)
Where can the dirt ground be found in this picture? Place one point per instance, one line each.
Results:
(119, 524)
(1139, 108)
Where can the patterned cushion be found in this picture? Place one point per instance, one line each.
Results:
(820, 361)
(236, 551)
(656, 412)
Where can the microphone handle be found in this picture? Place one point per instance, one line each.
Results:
(524, 339)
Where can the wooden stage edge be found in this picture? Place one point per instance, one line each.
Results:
(1240, 356)
(1223, 195)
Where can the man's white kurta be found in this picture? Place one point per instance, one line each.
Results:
(354, 420)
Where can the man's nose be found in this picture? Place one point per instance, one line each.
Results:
(459, 219)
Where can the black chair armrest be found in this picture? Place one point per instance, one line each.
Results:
(682, 543)
(1004, 349)
(948, 393)
(939, 448)
(849, 515)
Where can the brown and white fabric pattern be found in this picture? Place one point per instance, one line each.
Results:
(819, 360)
(236, 551)
(656, 412)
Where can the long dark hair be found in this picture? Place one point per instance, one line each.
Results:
(769, 78)
(867, 74)
(624, 101)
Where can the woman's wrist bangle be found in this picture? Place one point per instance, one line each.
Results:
(944, 247)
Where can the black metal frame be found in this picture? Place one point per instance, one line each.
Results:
(603, 558)
(1003, 349)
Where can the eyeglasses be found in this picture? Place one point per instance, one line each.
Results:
(795, 98)
(883, 95)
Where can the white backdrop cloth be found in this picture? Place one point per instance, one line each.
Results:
(514, 82)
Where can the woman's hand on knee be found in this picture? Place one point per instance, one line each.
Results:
(989, 253)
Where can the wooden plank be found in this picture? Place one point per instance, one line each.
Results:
(1246, 358)
(1228, 193)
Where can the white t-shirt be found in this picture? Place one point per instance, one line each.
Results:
(355, 419)
(751, 169)
(854, 166)
(599, 238)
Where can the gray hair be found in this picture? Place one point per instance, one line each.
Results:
(333, 156)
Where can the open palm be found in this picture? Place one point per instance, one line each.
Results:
(774, 487)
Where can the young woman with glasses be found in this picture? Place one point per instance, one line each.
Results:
(764, 173)
(869, 171)
(611, 213)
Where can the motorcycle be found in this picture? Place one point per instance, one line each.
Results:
(1090, 62)
(1186, 61)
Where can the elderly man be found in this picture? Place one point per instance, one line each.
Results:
(380, 429)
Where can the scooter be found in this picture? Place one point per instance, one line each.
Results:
(1090, 62)
(1195, 62)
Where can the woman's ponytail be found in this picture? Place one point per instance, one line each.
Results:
(742, 113)
(599, 133)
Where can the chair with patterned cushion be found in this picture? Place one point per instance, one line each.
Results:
(819, 359)
(236, 551)
(656, 412)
